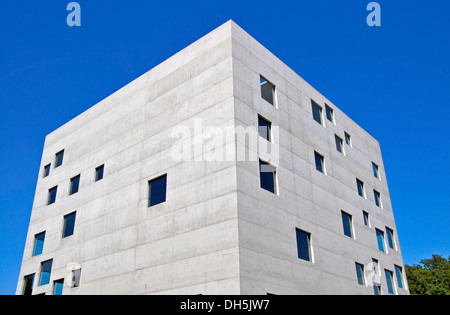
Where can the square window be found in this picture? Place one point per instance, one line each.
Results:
(377, 197)
(46, 270)
(303, 245)
(52, 195)
(28, 285)
(360, 274)
(99, 173)
(69, 224)
(330, 113)
(59, 158)
(347, 224)
(58, 286)
(74, 185)
(38, 243)
(267, 175)
(375, 170)
(339, 144)
(157, 190)
(320, 164)
(360, 187)
(47, 170)
(267, 90)
(317, 112)
(380, 240)
(348, 139)
(264, 128)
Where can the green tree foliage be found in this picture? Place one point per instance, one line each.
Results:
(430, 277)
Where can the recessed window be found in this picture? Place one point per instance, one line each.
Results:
(360, 187)
(330, 113)
(76, 277)
(380, 240)
(38, 243)
(377, 197)
(267, 90)
(52, 195)
(74, 185)
(390, 238)
(360, 274)
(348, 139)
(375, 170)
(69, 224)
(317, 112)
(339, 144)
(264, 128)
(157, 191)
(28, 285)
(347, 224)
(58, 286)
(376, 286)
(399, 275)
(46, 270)
(389, 281)
(366, 218)
(320, 164)
(303, 245)
(47, 170)
(267, 175)
(59, 158)
(99, 173)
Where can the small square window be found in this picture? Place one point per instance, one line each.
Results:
(74, 185)
(38, 243)
(99, 173)
(360, 274)
(264, 128)
(339, 144)
(317, 112)
(347, 224)
(52, 195)
(320, 164)
(360, 187)
(348, 139)
(330, 113)
(377, 197)
(303, 245)
(69, 224)
(375, 170)
(267, 90)
(157, 191)
(46, 270)
(267, 175)
(47, 170)
(59, 158)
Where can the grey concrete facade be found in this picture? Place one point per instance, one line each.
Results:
(218, 232)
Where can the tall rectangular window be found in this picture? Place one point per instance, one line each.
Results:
(348, 139)
(330, 113)
(99, 173)
(389, 281)
(360, 274)
(264, 128)
(38, 243)
(74, 185)
(69, 224)
(76, 277)
(366, 218)
(376, 286)
(58, 286)
(377, 198)
(303, 245)
(380, 240)
(339, 146)
(375, 170)
(47, 170)
(317, 112)
(390, 238)
(399, 275)
(267, 91)
(52, 195)
(28, 285)
(360, 187)
(46, 270)
(267, 175)
(157, 190)
(347, 224)
(59, 158)
(320, 164)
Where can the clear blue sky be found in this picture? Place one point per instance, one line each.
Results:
(394, 81)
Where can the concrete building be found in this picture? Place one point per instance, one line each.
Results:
(149, 191)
